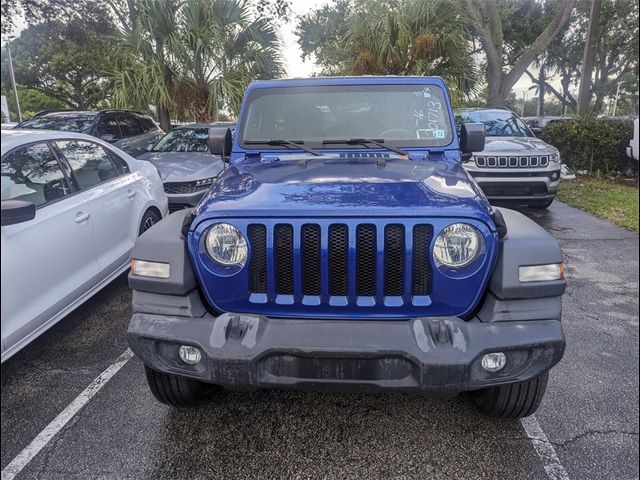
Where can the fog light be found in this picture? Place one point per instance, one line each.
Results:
(190, 355)
(494, 362)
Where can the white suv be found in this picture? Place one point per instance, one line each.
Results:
(515, 166)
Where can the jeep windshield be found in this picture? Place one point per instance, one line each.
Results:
(496, 123)
(395, 115)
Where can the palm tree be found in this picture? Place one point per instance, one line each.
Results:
(195, 56)
(412, 37)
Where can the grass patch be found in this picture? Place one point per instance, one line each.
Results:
(603, 198)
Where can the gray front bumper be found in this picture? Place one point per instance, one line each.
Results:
(436, 356)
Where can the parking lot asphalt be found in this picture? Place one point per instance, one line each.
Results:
(589, 414)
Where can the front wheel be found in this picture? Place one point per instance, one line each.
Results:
(176, 391)
(514, 400)
(149, 219)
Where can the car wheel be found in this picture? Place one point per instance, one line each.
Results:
(515, 400)
(176, 391)
(542, 204)
(149, 219)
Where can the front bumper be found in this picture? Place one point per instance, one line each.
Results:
(519, 185)
(178, 201)
(436, 356)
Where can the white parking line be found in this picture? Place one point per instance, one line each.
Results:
(44, 437)
(544, 449)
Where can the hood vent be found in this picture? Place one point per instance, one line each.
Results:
(364, 155)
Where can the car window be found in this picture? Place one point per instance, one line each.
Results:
(80, 124)
(184, 140)
(121, 166)
(129, 125)
(33, 174)
(497, 124)
(108, 125)
(89, 161)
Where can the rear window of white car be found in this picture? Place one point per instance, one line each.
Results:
(90, 162)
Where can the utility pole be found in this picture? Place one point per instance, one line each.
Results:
(615, 103)
(588, 58)
(13, 80)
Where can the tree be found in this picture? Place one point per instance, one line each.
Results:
(382, 37)
(485, 20)
(195, 56)
(589, 57)
(65, 61)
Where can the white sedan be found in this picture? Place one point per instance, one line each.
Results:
(72, 208)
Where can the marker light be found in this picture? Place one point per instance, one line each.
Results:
(542, 273)
(189, 355)
(150, 269)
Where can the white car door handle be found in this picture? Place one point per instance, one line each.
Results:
(131, 194)
(81, 217)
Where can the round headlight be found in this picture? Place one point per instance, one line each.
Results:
(457, 245)
(226, 245)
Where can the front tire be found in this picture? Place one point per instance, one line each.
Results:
(515, 400)
(149, 219)
(176, 391)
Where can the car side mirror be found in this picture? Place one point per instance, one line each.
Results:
(472, 137)
(537, 131)
(108, 137)
(17, 211)
(220, 139)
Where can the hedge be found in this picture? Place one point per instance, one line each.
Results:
(593, 144)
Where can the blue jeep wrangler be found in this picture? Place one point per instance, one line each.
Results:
(345, 248)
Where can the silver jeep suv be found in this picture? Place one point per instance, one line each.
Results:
(515, 167)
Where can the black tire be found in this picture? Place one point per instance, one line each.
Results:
(176, 391)
(515, 400)
(149, 219)
(542, 204)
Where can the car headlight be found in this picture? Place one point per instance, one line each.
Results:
(457, 245)
(226, 245)
(555, 157)
(205, 181)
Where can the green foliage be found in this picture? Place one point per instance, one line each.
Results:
(593, 144)
(31, 102)
(604, 198)
(66, 61)
(382, 37)
(195, 57)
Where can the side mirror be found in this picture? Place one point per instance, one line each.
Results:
(107, 137)
(17, 211)
(537, 131)
(472, 137)
(220, 139)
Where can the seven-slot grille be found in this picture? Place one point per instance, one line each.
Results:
(367, 260)
(521, 161)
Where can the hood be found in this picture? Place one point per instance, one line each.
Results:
(184, 166)
(516, 145)
(307, 186)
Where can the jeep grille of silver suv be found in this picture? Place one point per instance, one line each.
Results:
(521, 161)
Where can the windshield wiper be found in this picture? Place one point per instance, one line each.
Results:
(285, 143)
(365, 141)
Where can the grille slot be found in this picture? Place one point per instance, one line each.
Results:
(338, 260)
(258, 265)
(283, 251)
(366, 253)
(394, 255)
(310, 258)
(421, 269)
